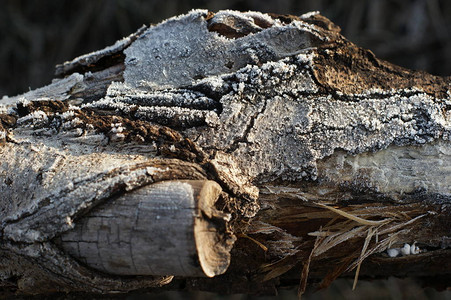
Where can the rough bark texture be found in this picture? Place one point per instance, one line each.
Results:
(323, 155)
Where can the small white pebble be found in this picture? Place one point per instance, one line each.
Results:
(405, 250)
(393, 252)
(117, 137)
(69, 221)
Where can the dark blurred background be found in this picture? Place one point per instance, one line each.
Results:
(36, 35)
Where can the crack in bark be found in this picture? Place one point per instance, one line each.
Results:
(250, 125)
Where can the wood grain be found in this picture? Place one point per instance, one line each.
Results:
(159, 229)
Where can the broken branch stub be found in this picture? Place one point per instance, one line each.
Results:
(167, 228)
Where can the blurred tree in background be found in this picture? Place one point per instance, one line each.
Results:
(36, 35)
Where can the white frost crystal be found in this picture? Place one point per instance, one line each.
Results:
(181, 50)
(36, 118)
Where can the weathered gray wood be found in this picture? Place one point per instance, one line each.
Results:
(325, 156)
(160, 229)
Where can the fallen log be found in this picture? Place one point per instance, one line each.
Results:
(266, 148)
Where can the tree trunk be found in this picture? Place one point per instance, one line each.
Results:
(266, 148)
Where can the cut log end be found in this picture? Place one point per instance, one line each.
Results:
(213, 242)
(168, 228)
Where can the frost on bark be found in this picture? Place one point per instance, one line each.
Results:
(266, 148)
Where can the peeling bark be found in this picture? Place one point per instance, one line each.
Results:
(269, 130)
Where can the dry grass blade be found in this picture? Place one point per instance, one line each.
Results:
(242, 235)
(379, 247)
(311, 215)
(332, 275)
(320, 233)
(371, 232)
(384, 244)
(306, 268)
(347, 231)
(354, 218)
(262, 227)
(279, 267)
(332, 229)
(338, 238)
(342, 227)
(401, 225)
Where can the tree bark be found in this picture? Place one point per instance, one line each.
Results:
(266, 148)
